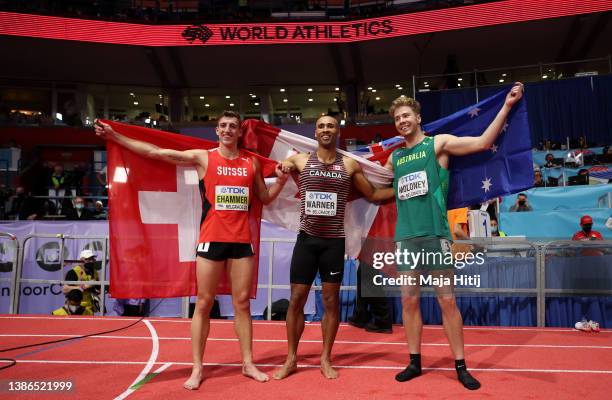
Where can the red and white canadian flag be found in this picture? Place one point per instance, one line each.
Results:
(360, 216)
(156, 207)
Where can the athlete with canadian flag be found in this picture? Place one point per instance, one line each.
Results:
(324, 178)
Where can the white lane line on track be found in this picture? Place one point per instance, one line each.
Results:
(375, 367)
(535, 346)
(162, 368)
(148, 366)
(308, 324)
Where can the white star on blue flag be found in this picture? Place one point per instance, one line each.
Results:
(473, 113)
(486, 184)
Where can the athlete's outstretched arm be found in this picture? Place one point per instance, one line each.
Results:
(288, 165)
(294, 164)
(460, 146)
(264, 193)
(365, 187)
(188, 157)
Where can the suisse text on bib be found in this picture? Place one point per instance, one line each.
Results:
(232, 198)
(412, 185)
(321, 203)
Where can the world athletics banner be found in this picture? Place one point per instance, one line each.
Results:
(307, 32)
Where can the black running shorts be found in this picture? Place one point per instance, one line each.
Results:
(313, 254)
(219, 251)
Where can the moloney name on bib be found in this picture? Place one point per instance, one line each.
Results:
(412, 185)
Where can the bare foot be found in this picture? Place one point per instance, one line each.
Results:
(251, 371)
(289, 367)
(194, 381)
(327, 370)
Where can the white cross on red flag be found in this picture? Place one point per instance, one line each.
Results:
(155, 210)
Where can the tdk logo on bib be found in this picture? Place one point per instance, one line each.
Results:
(321, 203)
(321, 196)
(414, 177)
(234, 190)
(232, 198)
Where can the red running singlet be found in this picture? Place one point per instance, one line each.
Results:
(227, 191)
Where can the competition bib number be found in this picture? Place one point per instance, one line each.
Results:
(234, 198)
(321, 203)
(412, 185)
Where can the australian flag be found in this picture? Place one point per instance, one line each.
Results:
(504, 169)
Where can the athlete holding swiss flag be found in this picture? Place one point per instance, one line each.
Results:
(230, 177)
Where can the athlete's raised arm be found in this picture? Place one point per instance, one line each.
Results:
(188, 157)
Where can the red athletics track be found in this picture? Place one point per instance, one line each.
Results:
(511, 363)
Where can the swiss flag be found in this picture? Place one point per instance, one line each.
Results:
(154, 222)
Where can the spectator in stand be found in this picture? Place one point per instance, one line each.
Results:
(495, 228)
(57, 186)
(59, 179)
(537, 176)
(585, 173)
(100, 212)
(45, 210)
(550, 161)
(587, 233)
(522, 204)
(21, 205)
(79, 212)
